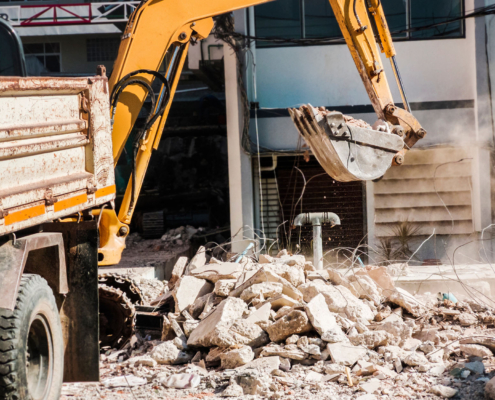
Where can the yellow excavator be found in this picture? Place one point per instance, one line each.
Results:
(58, 150)
(346, 152)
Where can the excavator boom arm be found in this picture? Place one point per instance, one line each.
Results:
(161, 30)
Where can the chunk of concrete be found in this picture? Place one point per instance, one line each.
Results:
(177, 272)
(282, 311)
(265, 259)
(261, 314)
(345, 353)
(407, 301)
(216, 272)
(323, 320)
(294, 275)
(290, 351)
(443, 391)
(371, 339)
(236, 357)
(233, 390)
(371, 386)
(415, 359)
(265, 275)
(476, 350)
(223, 287)
(198, 261)
(211, 330)
(338, 298)
(467, 319)
(168, 353)
(381, 277)
(279, 301)
(244, 332)
(263, 364)
(487, 341)
(266, 289)
(490, 389)
(294, 322)
(188, 289)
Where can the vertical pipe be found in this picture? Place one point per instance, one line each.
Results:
(317, 245)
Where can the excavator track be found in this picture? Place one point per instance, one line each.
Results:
(124, 283)
(117, 317)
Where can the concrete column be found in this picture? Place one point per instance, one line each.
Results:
(240, 171)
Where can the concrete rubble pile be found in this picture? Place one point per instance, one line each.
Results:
(278, 326)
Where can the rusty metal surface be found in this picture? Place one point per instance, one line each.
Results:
(347, 153)
(55, 135)
(14, 256)
(79, 309)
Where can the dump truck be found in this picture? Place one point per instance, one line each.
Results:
(61, 138)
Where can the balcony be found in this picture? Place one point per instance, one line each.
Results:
(40, 14)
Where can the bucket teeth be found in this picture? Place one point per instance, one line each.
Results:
(346, 151)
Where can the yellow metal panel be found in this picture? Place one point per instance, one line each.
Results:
(61, 205)
(22, 215)
(105, 191)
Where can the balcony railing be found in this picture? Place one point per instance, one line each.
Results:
(68, 14)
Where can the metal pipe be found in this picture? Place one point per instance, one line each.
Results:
(316, 219)
(398, 78)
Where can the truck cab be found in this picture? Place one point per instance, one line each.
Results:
(12, 62)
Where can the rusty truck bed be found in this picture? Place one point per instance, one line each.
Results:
(55, 149)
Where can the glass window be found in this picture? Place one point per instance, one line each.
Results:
(282, 19)
(102, 49)
(396, 14)
(42, 58)
(319, 20)
(427, 12)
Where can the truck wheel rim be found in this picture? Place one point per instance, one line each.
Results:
(39, 363)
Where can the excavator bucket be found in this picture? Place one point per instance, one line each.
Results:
(347, 149)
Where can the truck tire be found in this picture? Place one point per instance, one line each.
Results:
(31, 344)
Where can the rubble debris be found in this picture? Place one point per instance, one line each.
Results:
(279, 329)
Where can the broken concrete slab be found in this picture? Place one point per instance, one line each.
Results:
(177, 272)
(264, 275)
(198, 261)
(294, 322)
(266, 289)
(265, 259)
(216, 272)
(294, 275)
(288, 351)
(415, 359)
(261, 314)
(323, 320)
(279, 301)
(407, 301)
(371, 339)
(223, 287)
(264, 364)
(187, 290)
(211, 330)
(244, 332)
(345, 353)
(236, 357)
(338, 298)
(282, 311)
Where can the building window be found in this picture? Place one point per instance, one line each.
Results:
(312, 19)
(42, 58)
(102, 49)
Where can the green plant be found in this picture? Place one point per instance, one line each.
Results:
(397, 247)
